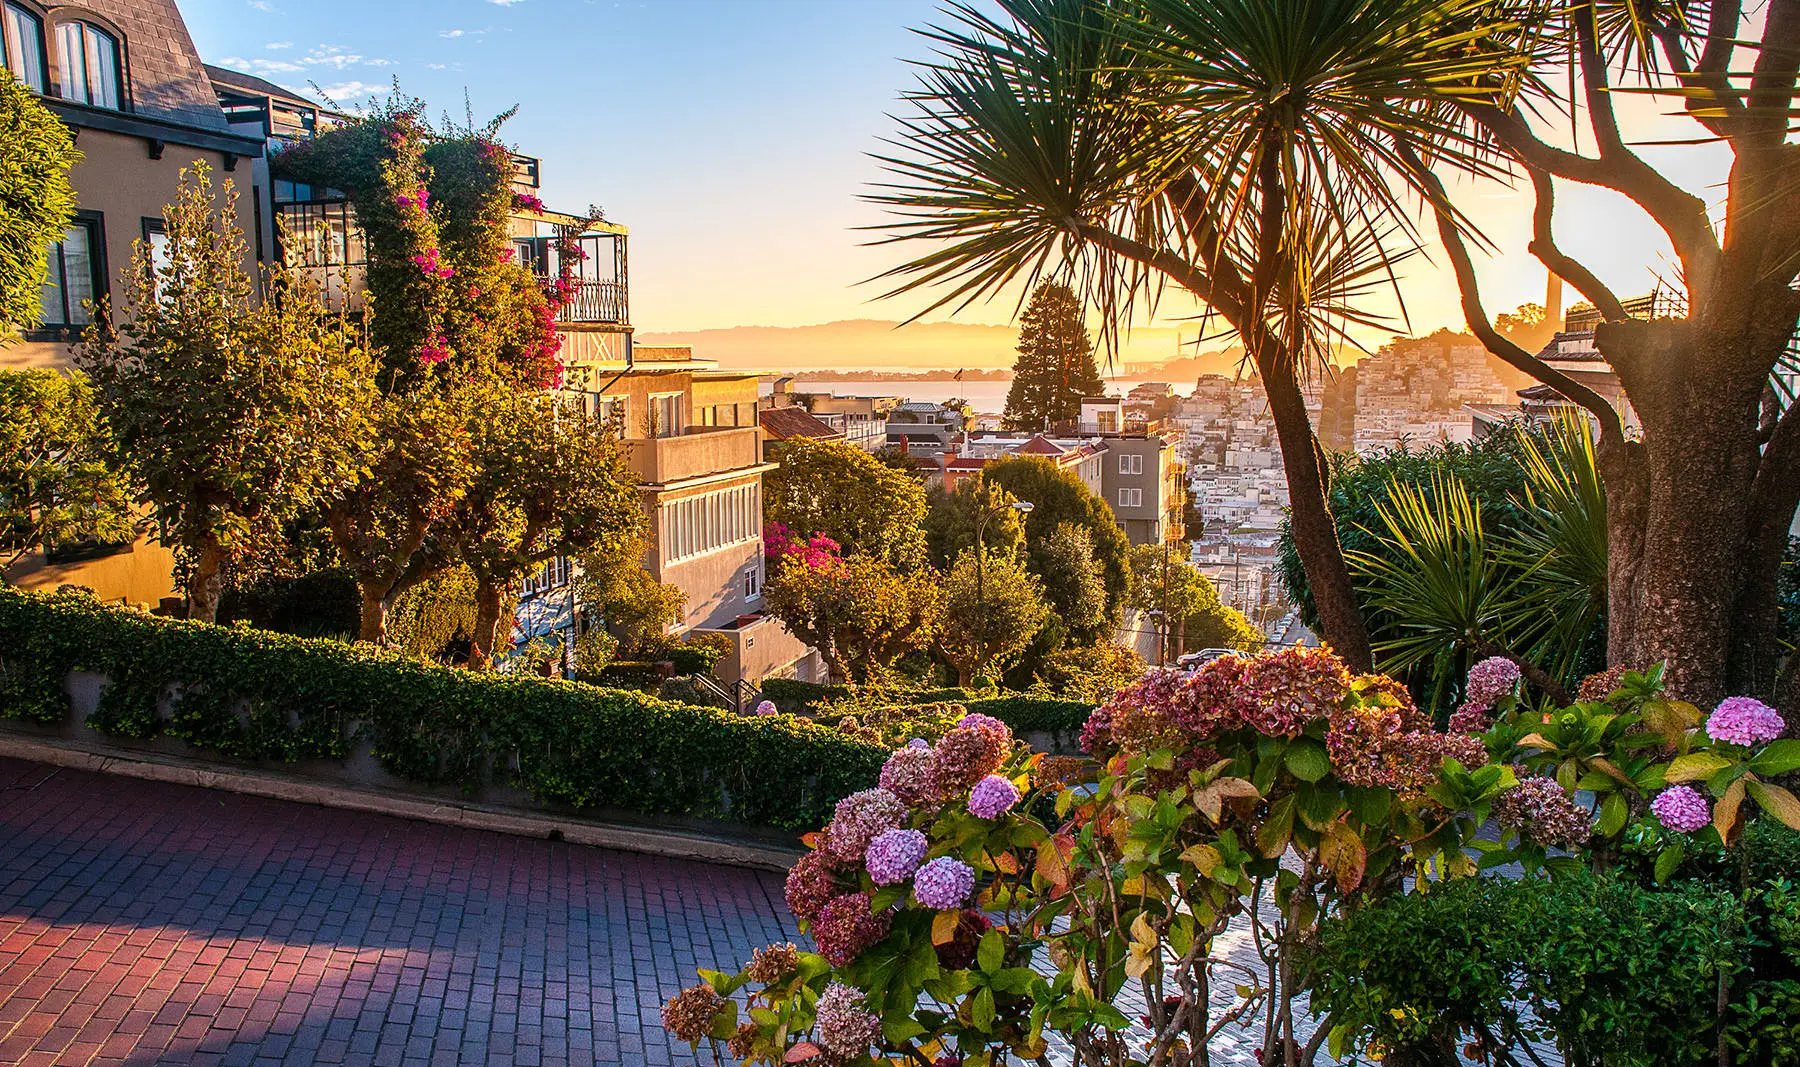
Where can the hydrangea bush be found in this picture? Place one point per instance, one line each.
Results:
(986, 901)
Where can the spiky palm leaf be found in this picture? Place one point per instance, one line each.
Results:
(1561, 549)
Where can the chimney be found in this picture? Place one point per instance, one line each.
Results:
(1553, 301)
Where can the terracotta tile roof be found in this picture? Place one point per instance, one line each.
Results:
(1040, 446)
(168, 81)
(783, 423)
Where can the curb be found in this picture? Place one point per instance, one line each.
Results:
(468, 815)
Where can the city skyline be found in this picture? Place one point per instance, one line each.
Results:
(788, 100)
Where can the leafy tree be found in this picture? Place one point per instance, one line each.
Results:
(56, 484)
(989, 613)
(1194, 617)
(36, 154)
(435, 618)
(837, 489)
(547, 481)
(862, 613)
(1090, 672)
(1055, 368)
(633, 606)
(1057, 496)
(418, 466)
(1074, 582)
(950, 524)
(234, 413)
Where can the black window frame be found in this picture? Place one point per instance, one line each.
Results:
(43, 46)
(95, 222)
(122, 86)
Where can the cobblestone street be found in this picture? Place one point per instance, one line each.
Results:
(143, 923)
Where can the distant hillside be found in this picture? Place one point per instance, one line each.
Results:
(882, 344)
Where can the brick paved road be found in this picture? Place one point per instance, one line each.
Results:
(143, 923)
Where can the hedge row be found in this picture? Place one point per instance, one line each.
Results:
(255, 695)
(1025, 714)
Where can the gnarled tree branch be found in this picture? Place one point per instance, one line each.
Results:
(1543, 245)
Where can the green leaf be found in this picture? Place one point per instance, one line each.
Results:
(981, 1008)
(992, 952)
(1307, 760)
(1370, 804)
(1778, 757)
(1272, 836)
(1613, 814)
(1695, 765)
(1668, 860)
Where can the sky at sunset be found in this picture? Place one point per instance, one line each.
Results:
(732, 137)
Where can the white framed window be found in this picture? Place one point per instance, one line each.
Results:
(753, 582)
(696, 525)
(87, 61)
(1131, 498)
(1131, 464)
(24, 34)
(553, 574)
(665, 415)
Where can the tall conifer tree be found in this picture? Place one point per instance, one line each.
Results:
(1055, 368)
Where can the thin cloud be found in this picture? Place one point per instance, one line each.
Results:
(261, 5)
(260, 65)
(276, 46)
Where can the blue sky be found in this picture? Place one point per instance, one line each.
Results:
(732, 137)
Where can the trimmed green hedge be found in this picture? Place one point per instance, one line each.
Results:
(1025, 714)
(255, 695)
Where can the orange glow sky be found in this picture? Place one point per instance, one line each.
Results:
(732, 137)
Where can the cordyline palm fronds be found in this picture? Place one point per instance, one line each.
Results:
(1561, 549)
(1260, 154)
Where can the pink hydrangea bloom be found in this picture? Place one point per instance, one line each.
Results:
(859, 817)
(844, 1026)
(907, 775)
(847, 925)
(767, 707)
(943, 883)
(1541, 812)
(1681, 808)
(811, 884)
(1744, 721)
(894, 855)
(1491, 679)
(993, 796)
(1471, 718)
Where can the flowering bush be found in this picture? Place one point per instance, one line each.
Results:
(986, 898)
(1020, 895)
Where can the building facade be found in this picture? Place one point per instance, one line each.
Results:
(124, 77)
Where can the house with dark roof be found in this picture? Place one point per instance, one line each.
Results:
(785, 424)
(125, 78)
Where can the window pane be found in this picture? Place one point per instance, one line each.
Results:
(53, 287)
(102, 69)
(73, 66)
(78, 273)
(24, 47)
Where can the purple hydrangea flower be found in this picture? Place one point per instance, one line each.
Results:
(994, 795)
(919, 742)
(978, 720)
(1491, 679)
(1744, 721)
(859, 817)
(943, 883)
(767, 707)
(1471, 719)
(1681, 809)
(844, 1025)
(894, 855)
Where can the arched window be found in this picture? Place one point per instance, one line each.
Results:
(24, 35)
(88, 60)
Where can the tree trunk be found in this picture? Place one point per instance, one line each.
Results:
(207, 582)
(1700, 409)
(1315, 532)
(487, 622)
(1621, 465)
(374, 615)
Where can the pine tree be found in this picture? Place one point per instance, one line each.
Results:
(1055, 368)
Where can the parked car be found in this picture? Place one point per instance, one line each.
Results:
(1193, 661)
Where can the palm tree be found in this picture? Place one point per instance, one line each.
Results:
(1260, 154)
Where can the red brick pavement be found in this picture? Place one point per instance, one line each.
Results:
(144, 923)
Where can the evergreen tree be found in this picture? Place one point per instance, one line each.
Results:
(1055, 368)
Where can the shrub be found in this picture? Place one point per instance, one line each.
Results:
(630, 674)
(699, 653)
(1612, 971)
(794, 696)
(254, 695)
(1029, 714)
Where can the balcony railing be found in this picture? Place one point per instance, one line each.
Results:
(596, 302)
(700, 451)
